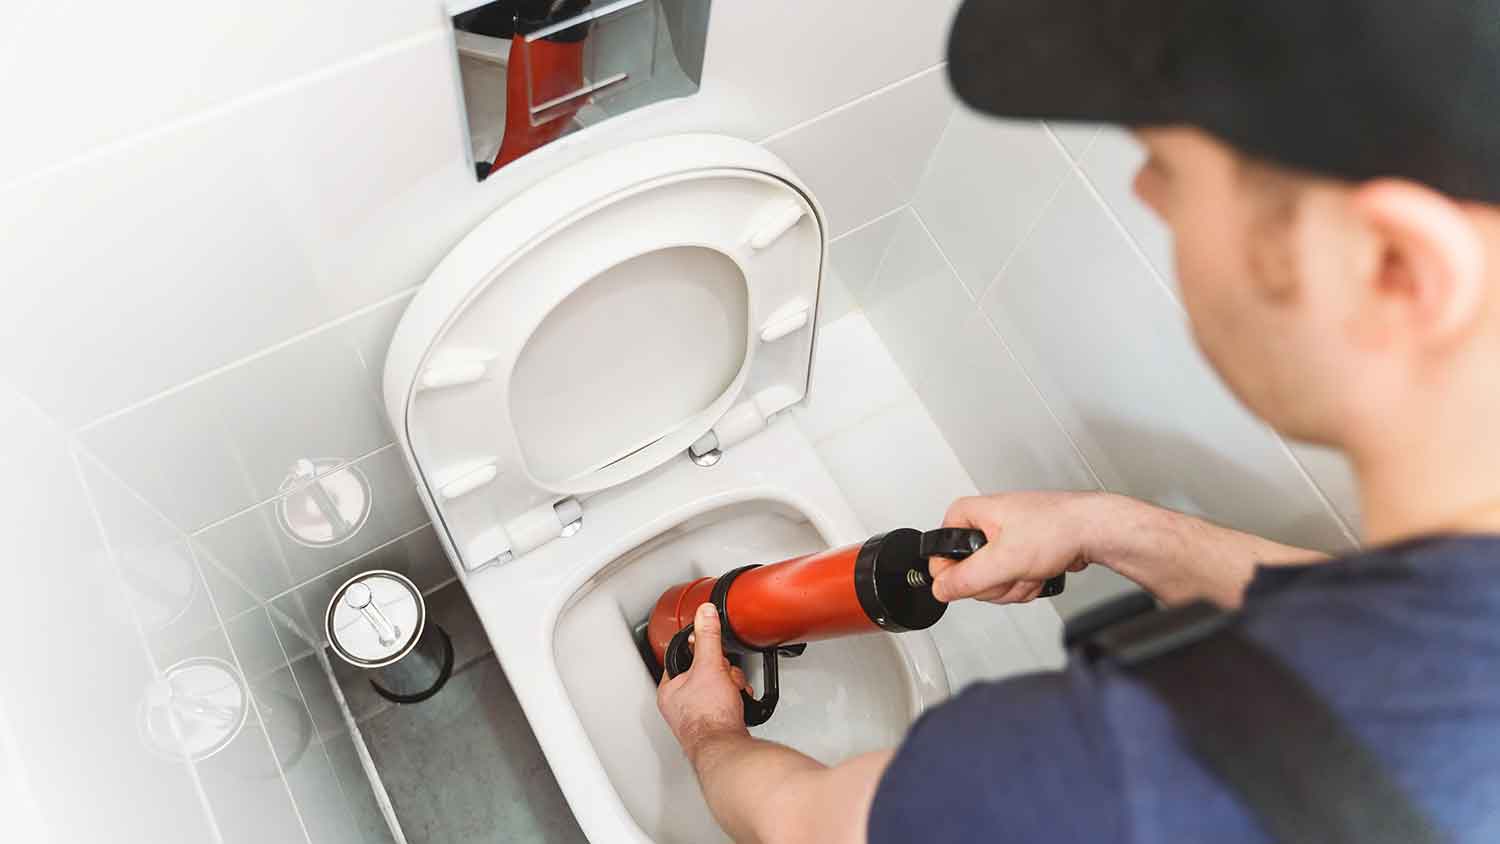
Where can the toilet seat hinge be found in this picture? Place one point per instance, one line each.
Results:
(737, 425)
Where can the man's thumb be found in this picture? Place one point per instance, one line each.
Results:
(708, 645)
(963, 580)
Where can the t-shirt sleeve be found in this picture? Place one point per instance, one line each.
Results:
(1026, 759)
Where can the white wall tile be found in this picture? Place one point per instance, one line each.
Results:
(895, 468)
(71, 707)
(310, 776)
(1333, 474)
(993, 418)
(853, 378)
(176, 453)
(370, 334)
(254, 559)
(1076, 138)
(78, 76)
(255, 644)
(777, 63)
(856, 256)
(985, 187)
(865, 159)
(163, 584)
(243, 782)
(1112, 354)
(914, 295)
(231, 441)
(834, 299)
(1111, 163)
(160, 260)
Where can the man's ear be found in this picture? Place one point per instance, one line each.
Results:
(1429, 280)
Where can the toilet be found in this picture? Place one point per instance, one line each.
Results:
(590, 391)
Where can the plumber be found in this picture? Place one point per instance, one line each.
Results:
(1331, 172)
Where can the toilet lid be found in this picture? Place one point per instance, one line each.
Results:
(596, 325)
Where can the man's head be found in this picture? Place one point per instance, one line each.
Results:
(1335, 246)
(1329, 306)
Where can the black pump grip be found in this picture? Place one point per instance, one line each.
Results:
(960, 543)
(679, 658)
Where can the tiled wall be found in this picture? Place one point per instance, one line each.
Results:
(1029, 298)
(213, 217)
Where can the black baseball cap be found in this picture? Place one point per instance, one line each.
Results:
(1356, 89)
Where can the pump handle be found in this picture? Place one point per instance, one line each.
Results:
(960, 543)
(679, 658)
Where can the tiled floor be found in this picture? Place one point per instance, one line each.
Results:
(463, 765)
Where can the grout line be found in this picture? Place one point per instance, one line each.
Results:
(1338, 518)
(254, 704)
(931, 161)
(254, 356)
(1135, 247)
(199, 531)
(145, 643)
(211, 113)
(1114, 218)
(323, 748)
(361, 750)
(880, 264)
(1004, 344)
(782, 133)
(1031, 227)
(938, 248)
(351, 561)
(868, 223)
(1081, 154)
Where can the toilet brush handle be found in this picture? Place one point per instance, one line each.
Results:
(960, 543)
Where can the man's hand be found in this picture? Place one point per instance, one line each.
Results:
(1032, 536)
(758, 790)
(704, 701)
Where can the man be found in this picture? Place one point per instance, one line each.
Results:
(1330, 172)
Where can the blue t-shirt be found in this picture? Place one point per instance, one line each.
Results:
(1403, 642)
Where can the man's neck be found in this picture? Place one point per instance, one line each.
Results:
(1443, 479)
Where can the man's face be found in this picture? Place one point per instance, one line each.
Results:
(1255, 312)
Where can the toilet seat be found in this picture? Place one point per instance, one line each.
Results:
(598, 325)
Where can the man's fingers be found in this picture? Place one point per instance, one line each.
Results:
(670, 684)
(962, 512)
(708, 648)
(994, 595)
(987, 569)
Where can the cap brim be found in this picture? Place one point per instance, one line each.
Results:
(1097, 60)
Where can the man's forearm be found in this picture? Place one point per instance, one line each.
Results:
(768, 793)
(741, 775)
(1178, 557)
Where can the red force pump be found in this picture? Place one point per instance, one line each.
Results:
(776, 609)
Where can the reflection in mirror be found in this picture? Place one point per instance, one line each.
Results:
(535, 70)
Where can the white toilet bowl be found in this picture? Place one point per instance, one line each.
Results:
(547, 385)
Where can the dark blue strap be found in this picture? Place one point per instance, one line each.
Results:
(1264, 732)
